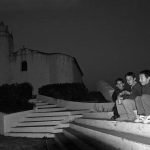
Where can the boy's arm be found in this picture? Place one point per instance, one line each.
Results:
(136, 91)
(125, 92)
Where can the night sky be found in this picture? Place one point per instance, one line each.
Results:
(107, 37)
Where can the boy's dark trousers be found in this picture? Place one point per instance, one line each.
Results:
(116, 115)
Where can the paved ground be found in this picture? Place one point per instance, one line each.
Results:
(18, 143)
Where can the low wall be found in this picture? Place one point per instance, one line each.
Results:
(72, 105)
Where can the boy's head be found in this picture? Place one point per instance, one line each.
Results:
(144, 77)
(130, 78)
(119, 82)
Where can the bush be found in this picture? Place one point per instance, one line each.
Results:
(25, 90)
(67, 91)
(96, 96)
(70, 91)
(14, 97)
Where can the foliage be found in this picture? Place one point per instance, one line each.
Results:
(70, 91)
(23, 143)
(67, 91)
(96, 96)
(14, 97)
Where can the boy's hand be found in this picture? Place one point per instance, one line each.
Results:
(127, 92)
(120, 101)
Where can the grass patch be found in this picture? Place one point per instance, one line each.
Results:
(22, 143)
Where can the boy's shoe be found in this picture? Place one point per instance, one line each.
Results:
(114, 117)
(147, 120)
(140, 119)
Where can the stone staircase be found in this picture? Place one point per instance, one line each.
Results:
(44, 121)
(99, 132)
(81, 129)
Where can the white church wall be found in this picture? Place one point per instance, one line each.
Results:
(37, 70)
(62, 70)
(45, 69)
(77, 77)
(66, 70)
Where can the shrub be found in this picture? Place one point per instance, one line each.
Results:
(96, 96)
(71, 91)
(14, 97)
(67, 91)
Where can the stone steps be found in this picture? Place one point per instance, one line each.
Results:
(35, 101)
(31, 135)
(41, 103)
(41, 124)
(55, 109)
(49, 118)
(61, 113)
(37, 123)
(34, 129)
(80, 140)
(46, 106)
(115, 139)
(98, 115)
(45, 119)
(95, 130)
(65, 143)
(127, 127)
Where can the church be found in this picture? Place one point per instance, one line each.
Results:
(33, 66)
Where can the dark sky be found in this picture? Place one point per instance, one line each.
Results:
(107, 37)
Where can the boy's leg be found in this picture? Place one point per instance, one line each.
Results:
(121, 111)
(115, 111)
(145, 99)
(130, 107)
(139, 106)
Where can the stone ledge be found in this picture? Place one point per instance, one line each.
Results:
(126, 127)
(119, 140)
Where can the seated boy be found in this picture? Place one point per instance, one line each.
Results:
(126, 105)
(143, 102)
(119, 87)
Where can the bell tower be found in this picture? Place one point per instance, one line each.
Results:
(6, 48)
